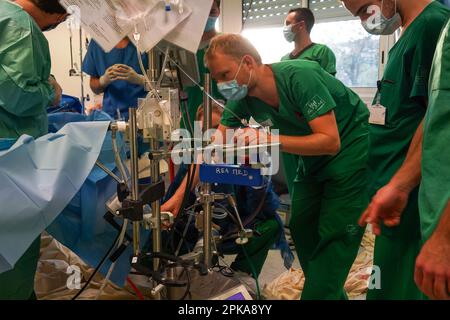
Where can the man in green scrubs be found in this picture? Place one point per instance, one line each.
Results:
(396, 137)
(321, 120)
(26, 90)
(432, 273)
(298, 25)
(194, 93)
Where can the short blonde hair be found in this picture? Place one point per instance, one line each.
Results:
(233, 45)
(216, 108)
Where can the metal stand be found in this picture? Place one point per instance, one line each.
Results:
(134, 175)
(206, 196)
(156, 206)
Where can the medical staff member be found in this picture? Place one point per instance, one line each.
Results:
(321, 120)
(117, 75)
(26, 90)
(432, 273)
(396, 136)
(298, 25)
(194, 93)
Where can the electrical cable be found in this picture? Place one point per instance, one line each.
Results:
(188, 285)
(102, 261)
(111, 268)
(135, 289)
(191, 177)
(183, 236)
(260, 206)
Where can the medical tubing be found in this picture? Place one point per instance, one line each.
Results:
(98, 267)
(144, 72)
(190, 180)
(111, 268)
(263, 199)
(161, 76)
(117, 157)
(188, 285)
(135, 289)
(172, 230)
(259, 208)
(186, 228)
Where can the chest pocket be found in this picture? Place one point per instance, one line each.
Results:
(390, 99)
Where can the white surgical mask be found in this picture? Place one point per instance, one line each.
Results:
(289, 35)
(378, 24)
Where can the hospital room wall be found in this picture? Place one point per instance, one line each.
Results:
(231, 16)
(59, 42)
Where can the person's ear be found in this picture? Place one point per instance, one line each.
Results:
(299, 26)
(249, 60)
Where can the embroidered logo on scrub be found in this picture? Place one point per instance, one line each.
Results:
(314, 105)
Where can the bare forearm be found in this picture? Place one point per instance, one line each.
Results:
(96, 87)
(312, 145)
(409, 175)
(443, 228)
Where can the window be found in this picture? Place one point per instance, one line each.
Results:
(357, 52)
(266, 13)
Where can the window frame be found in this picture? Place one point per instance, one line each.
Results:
(232, 22)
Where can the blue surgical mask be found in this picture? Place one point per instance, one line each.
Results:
(231, 90)
(380, 25)
(211, 23)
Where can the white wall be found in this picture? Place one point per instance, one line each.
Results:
(59, 42)
(231, 16)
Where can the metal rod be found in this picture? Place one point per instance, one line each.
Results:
(108, 172)
(156, 206)
(134, 174)
(81, 71)
(153, 66)
(206, 187)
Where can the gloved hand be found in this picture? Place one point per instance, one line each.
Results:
(108, 77)
(127, 73)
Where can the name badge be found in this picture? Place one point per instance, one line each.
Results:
(377, 115)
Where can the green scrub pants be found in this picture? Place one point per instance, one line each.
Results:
(257, 248)
(396, 250)
(324, 226)
(18, 283)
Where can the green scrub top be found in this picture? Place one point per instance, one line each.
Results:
(404, 83)
(435, 187)
(195, 94)
(306, 91)
(25, 65)
(319, 53)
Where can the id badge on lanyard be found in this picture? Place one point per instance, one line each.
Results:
(377, 111)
